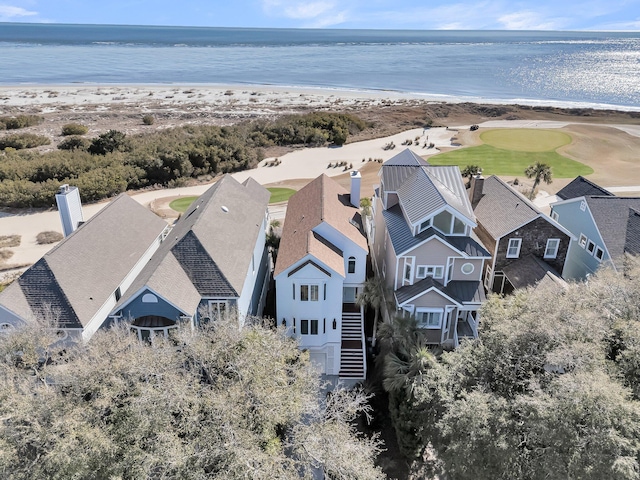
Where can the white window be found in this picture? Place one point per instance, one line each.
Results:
(555, 216)
(424, 225)
(513, 250)
(435, 271)
(468, 268)
(552, 248)
(308, 293)
(352, 265)
(217, 308)
(407, 272)
(590, 247)
(583, 240)
(599, 253)
(583, 205)
(429, 319)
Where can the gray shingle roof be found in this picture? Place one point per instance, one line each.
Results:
(460, 291)
(430, 189)
(616, 223)
(78, 275)
(501, 209)
(581, 187)
(527, 271)
(212, 245)
(402, 239)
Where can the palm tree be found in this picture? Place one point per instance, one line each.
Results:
(469, 171)
(372, 296)
(538, 171)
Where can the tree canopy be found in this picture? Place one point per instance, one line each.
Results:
(550, 389)
(220, 402)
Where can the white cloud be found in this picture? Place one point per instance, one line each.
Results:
(315, 14)
(528, 20)
(9, 12)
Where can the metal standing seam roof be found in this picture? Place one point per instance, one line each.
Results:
(430, 189)
(398, 168)
(617, 221)
(581, 187)
(403, 240)
(459, 291)
(78, 275)
(322, 200)
(501, 209)
(212, 245)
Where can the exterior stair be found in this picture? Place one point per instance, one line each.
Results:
(352, 357)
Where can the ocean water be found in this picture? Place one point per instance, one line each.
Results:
(556, 68)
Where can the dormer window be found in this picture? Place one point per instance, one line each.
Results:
(449, 224)
(424, 225)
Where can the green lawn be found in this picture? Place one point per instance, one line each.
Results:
(525, 139)
(280, 194)
(181, 204)
(520, 148)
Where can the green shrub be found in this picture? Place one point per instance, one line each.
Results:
(148, 120)
(108, 142)
(20, 121)
(74, 129)
(23, 140)
(74, 143)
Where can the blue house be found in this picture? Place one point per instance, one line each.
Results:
(213, 260)
(605, 227)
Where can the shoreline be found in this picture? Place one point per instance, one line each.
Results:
(80, 90)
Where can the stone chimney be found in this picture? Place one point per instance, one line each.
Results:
(475, 192)
(70, 208)
(355, 188)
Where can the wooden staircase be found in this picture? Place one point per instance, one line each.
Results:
(352, 358)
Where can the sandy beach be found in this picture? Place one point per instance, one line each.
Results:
(606, 140)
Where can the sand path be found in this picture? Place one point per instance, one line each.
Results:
(306, 163)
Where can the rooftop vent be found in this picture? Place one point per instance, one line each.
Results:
(224, 209)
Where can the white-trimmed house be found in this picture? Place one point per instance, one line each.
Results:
(605, 227)
(78, 282)
(215, 259)
(525, 244)
(320, 269)
(423, 246)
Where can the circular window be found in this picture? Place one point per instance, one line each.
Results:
(468, 268)
(62, 334)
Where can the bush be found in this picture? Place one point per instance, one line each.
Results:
(74, 143)
(47, 237)
(74, 129)
(10, 240)
(108, 142)
(23, 140)
(148, 120)
(20, 121)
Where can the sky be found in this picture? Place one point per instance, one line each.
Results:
(387, 14)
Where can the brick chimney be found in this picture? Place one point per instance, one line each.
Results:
(475, 192)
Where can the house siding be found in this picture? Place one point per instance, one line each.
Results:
(249, 301)
(534, 237)
(579, 262)
(325, 311)
(137, 308)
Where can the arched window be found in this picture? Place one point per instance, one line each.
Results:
(352, 265)
(149, 298)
